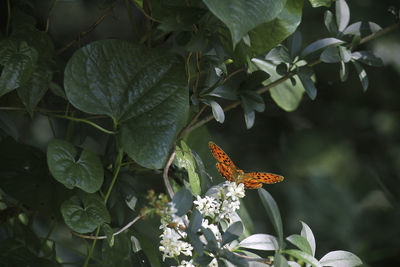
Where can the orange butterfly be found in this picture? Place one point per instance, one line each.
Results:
(227, 169)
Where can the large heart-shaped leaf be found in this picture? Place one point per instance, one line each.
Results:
(86, 172)
(84, 213)
(19, 61)
(121, 80)
(241, 16)
(268, 35)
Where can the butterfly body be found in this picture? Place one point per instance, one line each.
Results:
(227, 169)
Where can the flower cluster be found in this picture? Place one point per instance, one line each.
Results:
(171, 244)
(222, 203)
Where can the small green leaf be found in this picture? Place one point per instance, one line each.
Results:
(131, 201)
(85, 173)
(19, 62)
(85, 213)
(342, 14)
(217, 111)
(109, 234)
(362, 28)
(203, 260)
(234, 231)
(149, 250)
(367, 57)
(301, 255)
(335, 54)
(282, 69)
(294, 44)
(135, 244)
(300, 242)
(320, 44)
(241, 16)
(330, 22)
(224, 91)
(340, 258)
(308, 234)
(344, 71)
(8, 126)
(183, 201)
(305, 74)
(234, 259)
(273, 213)
(260, 242)
(318, 3)
(195, 220)
(212, 243)
(280, 54)
(184, 159)
(280, 260)
(362, 75)
(285, 94)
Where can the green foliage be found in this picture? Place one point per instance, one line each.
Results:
(180, 59)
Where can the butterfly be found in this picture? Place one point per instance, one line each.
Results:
(227, 169)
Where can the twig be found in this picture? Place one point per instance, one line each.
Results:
(165, 173)
(289, 75)
(90, 29)
(114, 234)
(144, 12)
(84, 121)
(48, 17)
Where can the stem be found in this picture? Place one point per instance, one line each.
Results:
(48, 17)
(85, 121)
(165, 173)
(53, 225)
(144, 12)
(91, 248)
(291, 74)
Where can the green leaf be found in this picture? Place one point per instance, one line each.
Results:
(362, 28)
(335, 54)
(344, 71)
(212, 243)
(294, 44)
(320, 44)
(85, 173)
(268, 35)
(330, 22)
(241, 16)
(85, 213)
(185, 159)
(251, 101)
(280, 261)
(149, 137)
(273, 213)
(195, 220)
(318, 3)
(300, 242)
(122, 80)
(342, 14)
(234, 258)
(8, 126)
(183, 201)
(280, 54)
(109, 233)
(234, 231)
(367, 57)
(224, 91)
(217, 111)
(135, 244)
(305, 74)
(340, 258)
(203, 260)
(119, 254)
(284, 94)
(260, 242)
(19, 62)
(303, 256)
(149, 250)
(362, 75)
(308, 234)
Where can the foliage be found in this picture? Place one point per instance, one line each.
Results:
(119, 111)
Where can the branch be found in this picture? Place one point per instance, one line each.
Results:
(90, 29)
(114, 234)
(291, 74)
(165, 173)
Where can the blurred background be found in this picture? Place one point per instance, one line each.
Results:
(340, 154)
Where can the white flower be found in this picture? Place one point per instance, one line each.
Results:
(208, 206)
(172, 246)
(186, 264)
(234, 191)
(213, 263)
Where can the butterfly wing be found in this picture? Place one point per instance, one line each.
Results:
(264, 177)
(221, 156)
(226, 171)
(249, 182)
